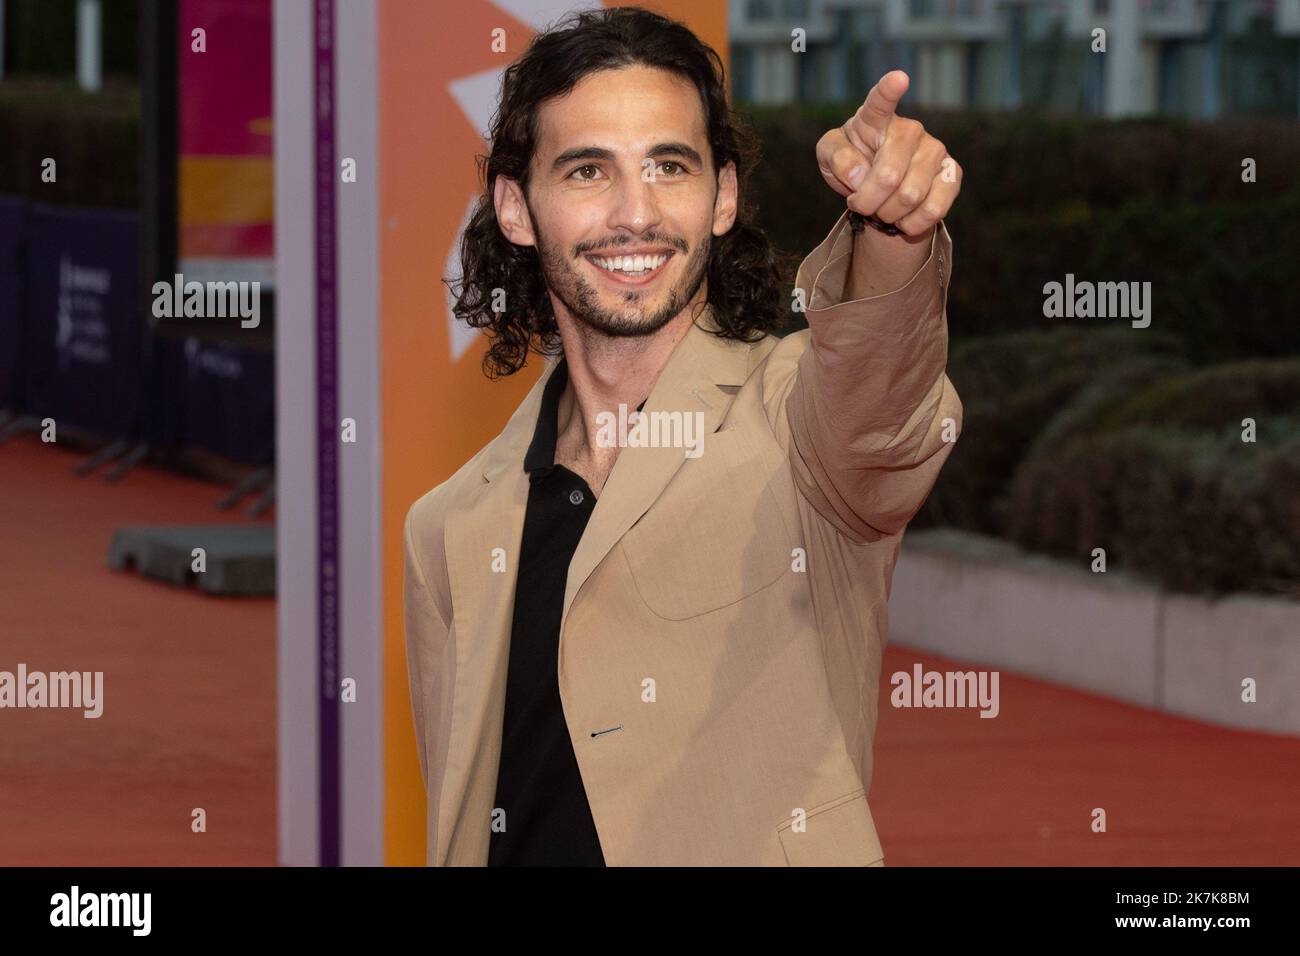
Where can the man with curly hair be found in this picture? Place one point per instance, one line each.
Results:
(645, 622)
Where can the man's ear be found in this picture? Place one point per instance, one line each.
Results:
(512, 212)
(725, 203)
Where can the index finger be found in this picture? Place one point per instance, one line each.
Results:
(878, 109)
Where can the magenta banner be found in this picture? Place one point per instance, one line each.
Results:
(226, 178)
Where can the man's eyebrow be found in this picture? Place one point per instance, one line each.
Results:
(581, 152)
(677, 149)
(598, 152)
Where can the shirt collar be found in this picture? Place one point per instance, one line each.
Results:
(540, 458)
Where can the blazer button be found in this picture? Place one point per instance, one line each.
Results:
(575, 496)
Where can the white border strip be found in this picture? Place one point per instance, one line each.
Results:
(360, 472)
(361, 624)
(295, 390)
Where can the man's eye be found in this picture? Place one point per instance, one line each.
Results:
(578, 173)
(676, 167)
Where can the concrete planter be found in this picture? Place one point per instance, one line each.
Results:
(982, 600)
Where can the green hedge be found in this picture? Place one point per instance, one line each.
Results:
(1197, 512)
(1011, 386)
(1218, 397)
(1161, 478)
(94, 138)
(1157, 200)
(42, 36)
(1074, 440)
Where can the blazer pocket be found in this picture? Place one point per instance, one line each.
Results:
(840, 832)
(716, 534)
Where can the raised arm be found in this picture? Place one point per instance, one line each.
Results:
(872, 413)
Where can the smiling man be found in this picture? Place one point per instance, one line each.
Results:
(668, 652)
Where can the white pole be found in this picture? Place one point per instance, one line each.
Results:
(89, 22)
(1123, 60)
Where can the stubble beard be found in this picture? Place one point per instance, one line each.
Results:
(564, 281)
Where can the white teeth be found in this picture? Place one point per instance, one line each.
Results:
(632, 265)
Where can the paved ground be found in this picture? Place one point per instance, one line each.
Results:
(189, 722)
(189, 696)
(954, 789)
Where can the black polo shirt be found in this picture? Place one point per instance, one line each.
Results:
(547, 818)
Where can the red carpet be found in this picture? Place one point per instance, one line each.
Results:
(189, 681)
(954, 789)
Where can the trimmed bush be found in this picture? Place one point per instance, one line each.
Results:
(95, 140)
(1173, 506)
(1215, 397)
(1162, 479)
(43, 36)
(1011, 387)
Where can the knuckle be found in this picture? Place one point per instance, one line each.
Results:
(889, 176)
(845, 157)
(911, 195)
(932, 210)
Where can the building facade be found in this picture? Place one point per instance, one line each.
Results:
(1192, 58)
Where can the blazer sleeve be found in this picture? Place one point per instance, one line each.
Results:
(871, 411)
(427, 629)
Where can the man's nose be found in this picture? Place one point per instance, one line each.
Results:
(635, 207)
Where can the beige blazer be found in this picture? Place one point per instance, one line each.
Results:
(724, 615)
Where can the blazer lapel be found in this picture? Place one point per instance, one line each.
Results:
(688, 384)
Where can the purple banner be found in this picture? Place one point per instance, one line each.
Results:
(218, 396)
(83, 325)
(13, 230)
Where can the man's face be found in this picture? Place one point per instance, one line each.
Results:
(623, 201)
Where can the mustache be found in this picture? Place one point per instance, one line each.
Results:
(676, 242)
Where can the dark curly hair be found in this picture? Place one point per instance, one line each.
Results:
(744, 279)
